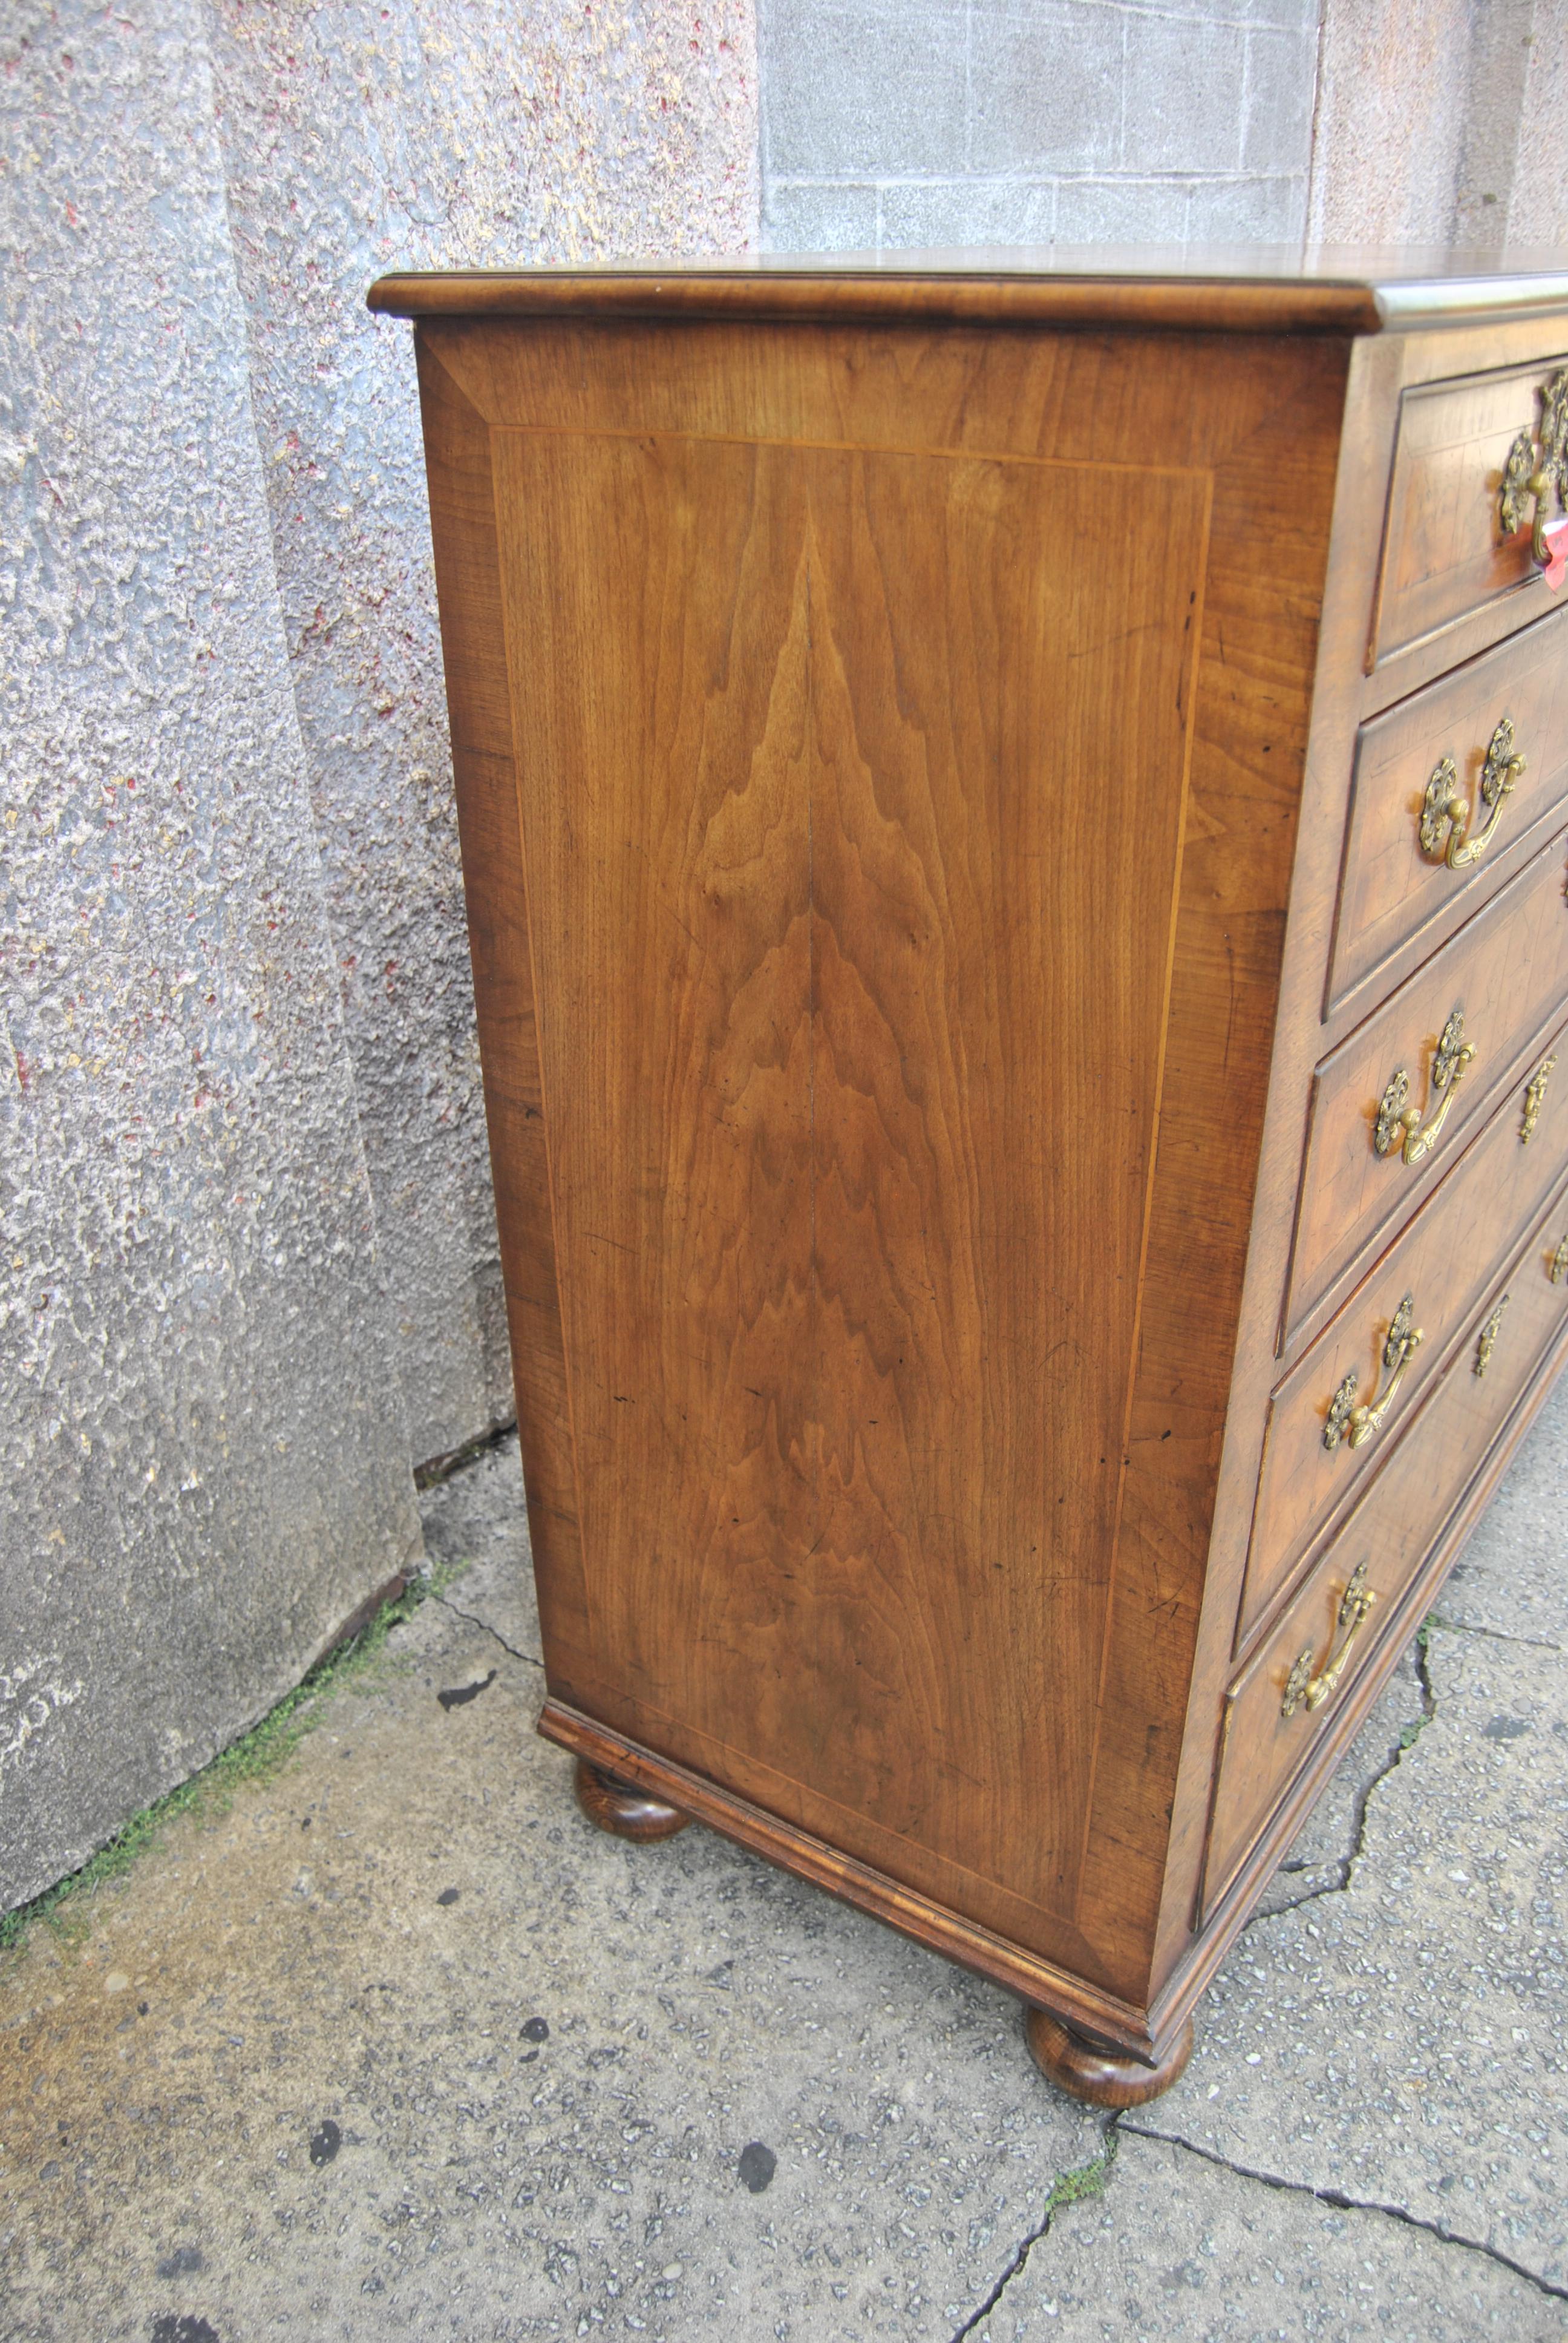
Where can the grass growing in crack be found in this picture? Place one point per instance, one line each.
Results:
(261, 1752)
(1410, 1732)
(1084, 2180)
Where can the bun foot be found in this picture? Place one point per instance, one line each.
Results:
(1106, 2078)
(624, 1809)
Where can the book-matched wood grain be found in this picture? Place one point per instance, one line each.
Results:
(840, 1063)
(1258, 431)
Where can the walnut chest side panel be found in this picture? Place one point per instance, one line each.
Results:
(878, 799)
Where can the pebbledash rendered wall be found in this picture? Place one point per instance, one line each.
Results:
(205, 1459)
(360, 138)
(248, 1277)
(248, 1273)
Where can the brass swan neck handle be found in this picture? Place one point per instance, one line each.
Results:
(1355, 1426)
(1302, 1688)
(1537, 469)
(1400, 1126)
(1447, 830)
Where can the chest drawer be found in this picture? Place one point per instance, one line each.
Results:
(1492, 736)
(1446, 552)
(1348, 1396)
(1286, 1696)
(1435, 1052)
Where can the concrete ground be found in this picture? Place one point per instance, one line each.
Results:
(400, 2046)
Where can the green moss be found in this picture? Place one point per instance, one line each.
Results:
(1085, 2179)
(358, 1660)
(1410, 1733)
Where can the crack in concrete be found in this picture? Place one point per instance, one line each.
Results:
(972, 2324)
(1407, 1739)
(1309, 1895)
(1068, 2189)
(1063, 2190)
(438, 1470)
(1408, 1736)
(473, 1620)
(1495, 1635)
(1343, 2204)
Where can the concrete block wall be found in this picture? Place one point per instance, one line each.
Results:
(891, 125)
(895, 125)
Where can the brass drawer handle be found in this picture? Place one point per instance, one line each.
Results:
(1302, 1688)
(1399, 1125)
(1486, 1341)
(1446, 832)
(1355, 1426)
(1538, 475)
(1534, 1097)
(1558, 1269)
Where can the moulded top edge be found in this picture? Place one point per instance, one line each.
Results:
(1252, 290)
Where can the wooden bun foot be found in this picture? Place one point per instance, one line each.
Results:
(1106, 2078)
(624, 1809)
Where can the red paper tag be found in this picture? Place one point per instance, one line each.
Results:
(1556, 569)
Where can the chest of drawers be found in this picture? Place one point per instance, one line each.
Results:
(1015, 830)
